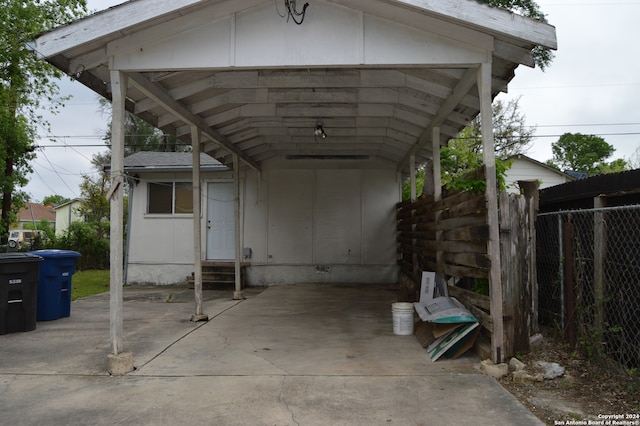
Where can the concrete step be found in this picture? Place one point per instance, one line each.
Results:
(218, 275)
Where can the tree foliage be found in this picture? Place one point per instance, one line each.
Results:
(585, 153)
(463, 154)
(89, 240)
(542, 56)
(139, 136)
(91, 236)
(26, 86)
(94, 206)
(55, 199)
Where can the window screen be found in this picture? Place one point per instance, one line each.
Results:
(183, 197)
(160, 198)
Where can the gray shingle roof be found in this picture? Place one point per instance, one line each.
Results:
(148, 160)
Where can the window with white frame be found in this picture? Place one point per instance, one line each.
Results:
(170, 198)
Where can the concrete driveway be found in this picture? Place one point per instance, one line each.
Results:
(287, 355)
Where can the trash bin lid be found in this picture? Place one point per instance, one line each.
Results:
(54, 253)
(19, 257)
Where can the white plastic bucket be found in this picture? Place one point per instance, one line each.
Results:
(402, 318)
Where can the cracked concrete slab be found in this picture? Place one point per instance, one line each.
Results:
(287, 355)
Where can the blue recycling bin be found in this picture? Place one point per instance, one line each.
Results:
(54, 283)
(18, 284)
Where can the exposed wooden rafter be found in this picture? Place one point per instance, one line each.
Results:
(160, 96)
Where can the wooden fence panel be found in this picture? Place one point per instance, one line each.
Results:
(449, 237)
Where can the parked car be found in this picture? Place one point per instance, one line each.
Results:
(19, 237)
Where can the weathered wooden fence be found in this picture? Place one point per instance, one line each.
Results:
(449, 236)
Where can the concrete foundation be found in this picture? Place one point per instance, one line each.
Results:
(120, 364)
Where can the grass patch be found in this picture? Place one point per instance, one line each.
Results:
(86, 283)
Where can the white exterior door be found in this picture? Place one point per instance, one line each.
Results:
(220, 222)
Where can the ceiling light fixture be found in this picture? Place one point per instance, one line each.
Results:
(319, 131)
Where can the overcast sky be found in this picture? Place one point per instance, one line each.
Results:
(592, 87)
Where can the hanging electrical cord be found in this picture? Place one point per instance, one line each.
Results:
(291, 12)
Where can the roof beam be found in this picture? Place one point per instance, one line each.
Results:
(465, 84)
(160, 96)
(99, 25)
(485, 17)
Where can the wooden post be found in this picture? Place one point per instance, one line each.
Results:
(197, 225)
(119, 91)
(569, 256)
(437, 195)
(530, 191)
(509, 265)
(493, 242)
(437, 169)
(412, 178)
(599, 254)
(238, 294)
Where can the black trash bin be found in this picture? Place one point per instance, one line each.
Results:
(54, 283)
(18, 287)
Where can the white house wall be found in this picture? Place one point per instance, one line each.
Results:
(259, 37)
(308, 223)
(526, 170)
(318, 223)
(65, 215)
(160, 246)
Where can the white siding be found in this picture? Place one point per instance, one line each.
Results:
(311, 223)
(65, 215)
(523, 169)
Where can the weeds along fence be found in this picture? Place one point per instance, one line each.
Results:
(588, 267)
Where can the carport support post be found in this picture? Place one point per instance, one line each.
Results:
(491, 193)
(238, 294)
(118, 362)
(197, 226)
(412, 172)
(437, 195)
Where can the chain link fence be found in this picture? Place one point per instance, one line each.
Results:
(588, 265)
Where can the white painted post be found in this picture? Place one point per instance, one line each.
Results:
(197, 225)
(238, 294)
(437, 169)
(437, 194)
(119, 91)
(118, 362)
(412, 172)
(491, 192)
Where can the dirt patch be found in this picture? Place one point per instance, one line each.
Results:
(587, 391)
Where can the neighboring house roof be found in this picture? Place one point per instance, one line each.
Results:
(619, 188)
(148, 161)
(256, 86)
(70, 202)
(527, 169)
(33, 211)
(542, 165)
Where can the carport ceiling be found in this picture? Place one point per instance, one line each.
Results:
(368, 110)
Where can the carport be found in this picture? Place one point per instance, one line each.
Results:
(253, 83)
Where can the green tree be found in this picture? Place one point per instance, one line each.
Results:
(94, 206)
(55, 199)
(616, 166)
(542, 57)
(90, 237)
(463, 154)
(139, 136)
(26, 85)
(582, 153)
